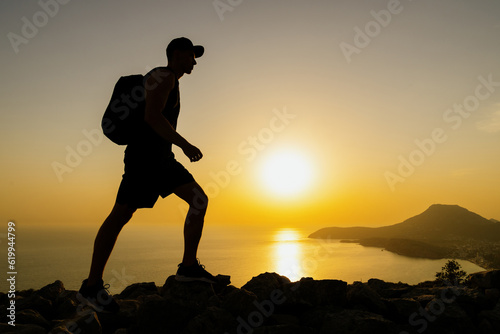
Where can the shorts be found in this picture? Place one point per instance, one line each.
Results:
(141, 187)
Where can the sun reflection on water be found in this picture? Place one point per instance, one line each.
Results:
(288, 254)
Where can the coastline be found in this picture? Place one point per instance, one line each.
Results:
(472, 251)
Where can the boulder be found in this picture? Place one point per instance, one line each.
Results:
(121, 331)
(489, 279)
(32, 317)
(423, 299)
(125, 318)
(491, 319)
(263, 284)
(160, 315)
(448, 318)
(85, 322)
(37, 303)
(213, 320)
(387, 289)
(492, 294)
(283, 319)
(400, 309)
(52, 291)
(283, 329)
(470, 300)
(361, 296)
(197, 294)
(139, 289)
(60, 329)
(315, 317)
(239, 302)
(66, 305)
(357, 322)
(308, 293)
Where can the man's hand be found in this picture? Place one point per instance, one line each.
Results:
(192, 152)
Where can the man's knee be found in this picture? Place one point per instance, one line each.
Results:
(200, 200)
(123, 212)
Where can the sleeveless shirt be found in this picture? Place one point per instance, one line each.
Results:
(151, 151)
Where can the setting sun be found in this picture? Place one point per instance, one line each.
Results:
(286, 173)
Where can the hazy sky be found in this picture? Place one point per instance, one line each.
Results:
(393, 105)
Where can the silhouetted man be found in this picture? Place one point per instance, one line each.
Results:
(151, 171)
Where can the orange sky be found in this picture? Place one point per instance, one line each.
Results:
(393, 108)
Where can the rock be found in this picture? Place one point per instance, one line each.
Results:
(60, 329)
(52, 291)
(471, 301)
(22, 329)
(357, 322)
(400, 309)
(37, 303)
(387, 289)
(139, 289)
(361, 296)
(423, 299)
(85, 322)
(308, 293)
(448, 318)
(160, 315)
(420, 291)
(223, 280)
(283, 319)
(67, 309)
(32, 317)
(485, 279)
(66, 305)
(314, 318)
(125, 318)
(283, 329)
(239, 302)
(491, 318)
(195, 294)
(486, 328)
(121, 331)
(213, 320)
(492, 294)
(263, 284)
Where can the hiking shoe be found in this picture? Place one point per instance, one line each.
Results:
(97, 297)
(195, 272)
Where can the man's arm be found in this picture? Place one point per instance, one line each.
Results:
(160, 87)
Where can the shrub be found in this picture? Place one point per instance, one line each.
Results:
(451, 272)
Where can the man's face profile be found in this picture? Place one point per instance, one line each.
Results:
(186, 59)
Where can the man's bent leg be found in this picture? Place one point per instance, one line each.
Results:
(194, 195)
(106, 238)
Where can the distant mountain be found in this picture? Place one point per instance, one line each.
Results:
(441, 231)
(438, 222)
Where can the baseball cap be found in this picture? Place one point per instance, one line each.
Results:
(183, 43)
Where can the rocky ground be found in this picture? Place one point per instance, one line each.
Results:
(269, 303)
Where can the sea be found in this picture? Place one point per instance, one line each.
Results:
(150, 253)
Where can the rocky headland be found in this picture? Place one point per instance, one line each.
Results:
(440, 232)
(268, 303)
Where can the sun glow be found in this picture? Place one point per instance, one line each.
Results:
(286, 173)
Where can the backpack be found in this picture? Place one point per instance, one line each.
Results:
(124, 115)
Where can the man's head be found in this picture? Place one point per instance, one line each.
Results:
(181, 54)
